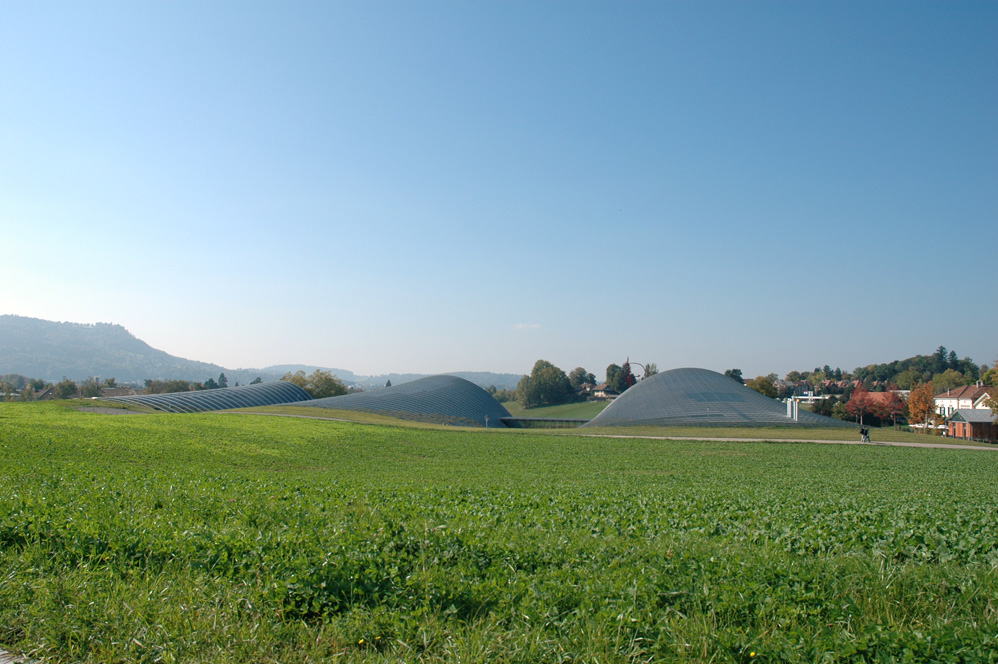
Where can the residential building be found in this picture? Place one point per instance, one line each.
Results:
(601, 391)
(973, 424)
(959, 398)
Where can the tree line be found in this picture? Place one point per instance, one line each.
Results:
(943, 370)
(548, 385)
(318, 384)
(853, 396)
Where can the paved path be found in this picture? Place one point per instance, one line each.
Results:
(947, 446)
(104, 411)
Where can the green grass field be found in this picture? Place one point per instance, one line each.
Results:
(585, 410)
(251, 538)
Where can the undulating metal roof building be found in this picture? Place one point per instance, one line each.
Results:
(700, 397)
(437, 399)
(244, 396)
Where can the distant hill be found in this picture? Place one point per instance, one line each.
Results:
(483, 379)
(44, 349)
(278, 371)
(49, 350)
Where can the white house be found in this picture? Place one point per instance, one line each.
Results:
(967, 397)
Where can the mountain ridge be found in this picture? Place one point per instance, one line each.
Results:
(52, 350)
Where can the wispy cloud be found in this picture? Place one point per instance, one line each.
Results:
(527, 326)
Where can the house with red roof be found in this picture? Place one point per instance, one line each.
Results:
(967, 397)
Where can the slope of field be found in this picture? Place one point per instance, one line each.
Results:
(572, 411)
(236, 538)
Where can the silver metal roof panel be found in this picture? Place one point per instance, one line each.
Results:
(700, 397)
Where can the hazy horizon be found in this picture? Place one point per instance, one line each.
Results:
(393, 187)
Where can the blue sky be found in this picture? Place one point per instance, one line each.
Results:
(444, 186)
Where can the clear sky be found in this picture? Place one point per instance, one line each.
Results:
(445, 186)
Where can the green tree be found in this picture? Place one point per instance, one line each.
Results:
(619, 378)
(90, 388)
(735, 374)
(256, 381)
(527, 393)
(210, 384)
(612, 375)
(504, 396)
(222, 380)
(907, 378)
(826, 407)
(545, 386)
(319, 384)
(650, 370)
(322, 384)
(949, 379)
(298, 378)
(940, 360)
(578, 377)
(110, 382)
(65, 389)
(763, 385)
(817, 380)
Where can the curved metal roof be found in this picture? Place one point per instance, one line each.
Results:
(440, 399)
(700, 397)
(244, 396)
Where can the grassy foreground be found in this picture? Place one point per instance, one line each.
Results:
(244, 538)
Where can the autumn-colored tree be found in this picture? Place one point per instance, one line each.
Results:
(992, 403)
(889, 407)
(860, 403)
(921, 405)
